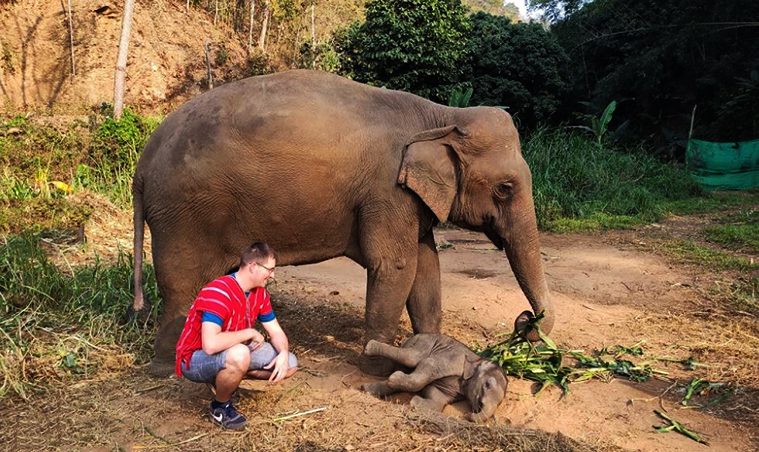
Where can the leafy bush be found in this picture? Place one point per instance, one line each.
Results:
(575, 178)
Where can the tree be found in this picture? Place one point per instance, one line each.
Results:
(663, 57)
(121, 61)
(494, 7)
(554, 10)
(411, 45)
(515, 65)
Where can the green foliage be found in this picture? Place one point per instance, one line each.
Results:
(518, 65)
(460, 98)
(544, 363)
(599, 126)
(412, 45)
(38, 154)
(575, 178)
(494, 7)
(64, 323)
(667, 57)
(554, 10)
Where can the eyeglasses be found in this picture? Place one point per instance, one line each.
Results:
(270, 270)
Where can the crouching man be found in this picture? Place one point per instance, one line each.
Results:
(219, 346)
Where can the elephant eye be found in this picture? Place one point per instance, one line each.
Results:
(487, 385)
(504, 189)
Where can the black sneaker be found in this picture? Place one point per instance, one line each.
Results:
(228, 417)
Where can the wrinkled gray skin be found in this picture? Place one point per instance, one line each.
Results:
(320, 166)
(444, 371)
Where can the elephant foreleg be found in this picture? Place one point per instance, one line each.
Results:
(426, 372)
(431, 398)
(390, 260)
(424, 301)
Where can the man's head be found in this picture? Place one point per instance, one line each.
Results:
(257, 265)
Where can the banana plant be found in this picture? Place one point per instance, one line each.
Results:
(459, 98)
(599, 126)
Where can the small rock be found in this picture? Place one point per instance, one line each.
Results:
(329, 338)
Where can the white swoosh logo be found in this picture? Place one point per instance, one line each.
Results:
(218, 418)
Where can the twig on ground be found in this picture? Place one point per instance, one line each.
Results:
(316, 410)
(164, 446)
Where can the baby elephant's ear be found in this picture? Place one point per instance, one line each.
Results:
(470, 366)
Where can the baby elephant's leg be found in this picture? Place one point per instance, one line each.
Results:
(425, 373)
(431, 398)
(409, 357)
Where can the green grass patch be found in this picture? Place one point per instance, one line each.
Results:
(603, 186)
(595, 222)
(62, 325)
(712, 201)
(689, 252)
(739, 231)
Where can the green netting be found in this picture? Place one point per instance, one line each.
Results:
(724, 166)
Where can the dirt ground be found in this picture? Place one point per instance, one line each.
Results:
(608, 289)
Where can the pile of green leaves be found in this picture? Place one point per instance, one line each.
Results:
(544, 363)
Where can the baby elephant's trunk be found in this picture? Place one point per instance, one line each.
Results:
(483, 415)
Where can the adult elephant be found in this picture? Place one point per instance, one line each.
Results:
(320, 166)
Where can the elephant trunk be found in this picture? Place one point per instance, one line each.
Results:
(523, 251)
(484, 414)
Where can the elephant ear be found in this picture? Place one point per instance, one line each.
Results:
(429, 168)
(470, 366)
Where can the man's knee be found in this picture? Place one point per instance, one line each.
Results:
(238, 357)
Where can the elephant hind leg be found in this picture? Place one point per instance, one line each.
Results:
(380, 389)
(408, 357)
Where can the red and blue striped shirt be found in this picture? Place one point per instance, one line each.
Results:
(224, 298)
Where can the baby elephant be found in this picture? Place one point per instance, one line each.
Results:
(445, 371)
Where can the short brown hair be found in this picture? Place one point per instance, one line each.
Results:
(257, 252)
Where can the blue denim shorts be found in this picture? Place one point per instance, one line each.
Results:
(204, 367)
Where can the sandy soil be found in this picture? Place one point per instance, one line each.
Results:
(606, 289)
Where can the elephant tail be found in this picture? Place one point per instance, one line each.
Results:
(140, 307)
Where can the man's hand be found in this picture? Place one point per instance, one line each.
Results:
(278, 367)
(256, 340)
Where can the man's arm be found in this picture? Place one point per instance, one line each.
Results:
(279, 341)
(214, 341)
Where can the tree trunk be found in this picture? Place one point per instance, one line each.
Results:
(208, 63)
(71, 40)
(121, 62)
(250, 31)
(264, 27)
(313, 34)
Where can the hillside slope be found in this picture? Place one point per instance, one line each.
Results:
(166, 58)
